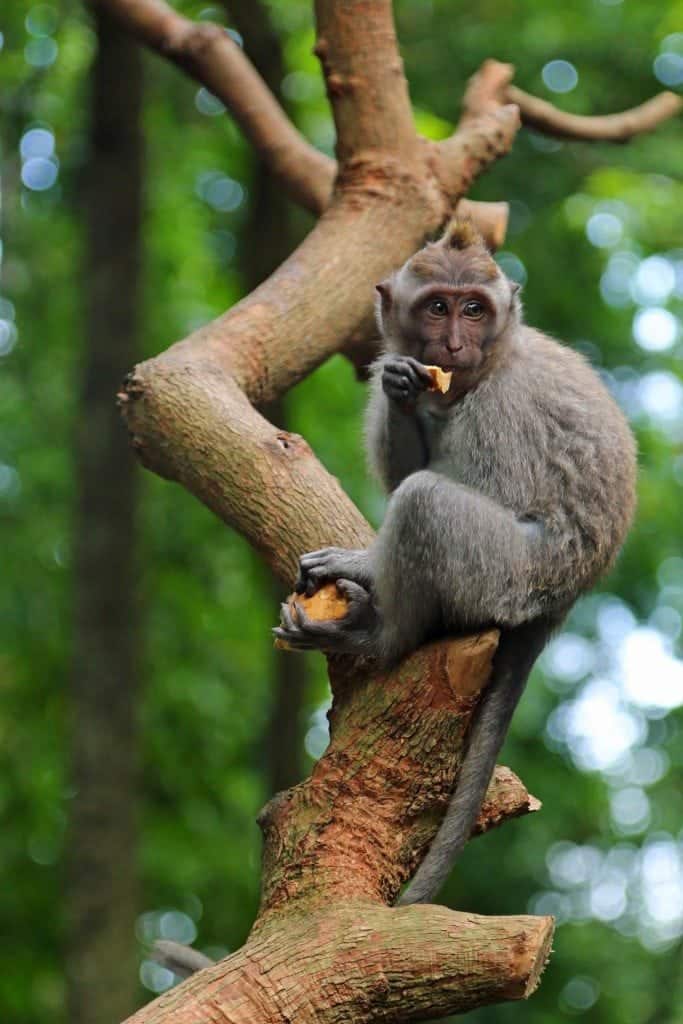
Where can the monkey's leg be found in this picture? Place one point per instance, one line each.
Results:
(448, 558)
(317, 567)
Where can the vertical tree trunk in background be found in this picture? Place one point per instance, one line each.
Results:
(101, 856)
(269, 238)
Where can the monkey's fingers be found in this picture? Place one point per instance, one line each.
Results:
(315, 627)
(308, 579)
(415, 372)
(296, 641)
(327, 564)
(362, 618)
(289, 630)
(360, 601)
(420, 370)
(398, 389)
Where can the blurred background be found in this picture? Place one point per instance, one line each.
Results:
(145, 717)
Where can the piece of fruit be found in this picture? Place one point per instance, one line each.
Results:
(441, 379)
(326, 603)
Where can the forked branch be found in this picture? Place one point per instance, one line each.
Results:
(492, 85)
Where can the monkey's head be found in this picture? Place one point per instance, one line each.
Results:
(450, 303)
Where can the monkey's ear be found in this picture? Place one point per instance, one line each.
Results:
(386, 296)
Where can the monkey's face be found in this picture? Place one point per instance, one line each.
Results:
(452, 326)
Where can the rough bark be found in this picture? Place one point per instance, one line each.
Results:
(102, 894)
(325, 946)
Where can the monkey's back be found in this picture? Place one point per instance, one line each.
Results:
(542, 436)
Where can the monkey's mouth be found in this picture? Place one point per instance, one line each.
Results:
(458, 361)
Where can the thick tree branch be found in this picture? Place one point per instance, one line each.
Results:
(363, 962)
(325, 947)
(369, 96)
(477, 142)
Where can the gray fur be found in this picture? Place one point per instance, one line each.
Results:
(510, 496)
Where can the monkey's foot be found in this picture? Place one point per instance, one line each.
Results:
(317, 567)
(355, 633)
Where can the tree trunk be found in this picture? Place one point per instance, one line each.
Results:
(103, 899)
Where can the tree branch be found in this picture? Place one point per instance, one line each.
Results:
(491, 85)
(185, 409)
(544, 117)
(338, 846)
(371, 110)
(208, 54)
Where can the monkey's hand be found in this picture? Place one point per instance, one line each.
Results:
(355, 633)
(318, 567)
(404, 379)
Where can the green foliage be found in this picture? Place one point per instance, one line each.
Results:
(604, 853)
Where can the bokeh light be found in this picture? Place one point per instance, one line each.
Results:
(668, 68)
(208, 104)
(655, 329)
(604, 230)
(511, 265)
(37, 142)
(560, 76)
(41, 53)
(39, 174)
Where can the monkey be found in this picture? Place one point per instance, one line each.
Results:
(509, 496)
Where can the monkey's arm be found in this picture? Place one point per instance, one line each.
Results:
(446, 558)
(395, 440)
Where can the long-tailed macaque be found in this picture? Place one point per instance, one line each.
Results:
(510, 495)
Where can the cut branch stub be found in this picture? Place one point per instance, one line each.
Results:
(360, 963)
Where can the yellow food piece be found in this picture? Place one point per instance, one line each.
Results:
(441, 379)
(326, 603)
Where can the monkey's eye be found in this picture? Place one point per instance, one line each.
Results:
(438, 307)
(473, 310)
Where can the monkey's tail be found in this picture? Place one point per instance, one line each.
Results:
(516, 654)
